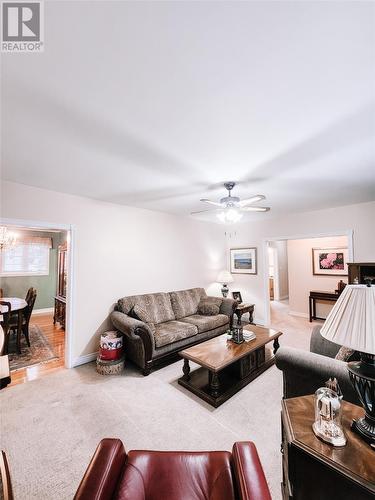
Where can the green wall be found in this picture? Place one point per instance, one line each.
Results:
(17, 286)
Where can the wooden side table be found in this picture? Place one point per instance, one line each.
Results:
(312, 469)
(243, 309)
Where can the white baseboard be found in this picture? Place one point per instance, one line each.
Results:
(46, 310)
(299, 314)
(283, 297)
(86, 358)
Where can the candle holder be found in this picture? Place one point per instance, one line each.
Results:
(237, 334)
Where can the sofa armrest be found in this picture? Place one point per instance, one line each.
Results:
(228, 306)
(104, 471)
(320, 345)
(304, 372)
(130, 327)
(251, 481)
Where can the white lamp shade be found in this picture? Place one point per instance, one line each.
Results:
(225, 277)
(351, 322)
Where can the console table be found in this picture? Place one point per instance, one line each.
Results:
(319, 295)
(313, 469)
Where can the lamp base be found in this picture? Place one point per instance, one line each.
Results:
(225, 290)
(362, 376)
(365, 430)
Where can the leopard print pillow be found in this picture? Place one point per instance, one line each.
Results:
(208, 307)
(344, 354)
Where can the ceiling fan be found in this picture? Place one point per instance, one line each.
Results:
(231, 208)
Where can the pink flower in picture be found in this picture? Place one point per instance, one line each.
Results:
(331, 260)
(325, 264)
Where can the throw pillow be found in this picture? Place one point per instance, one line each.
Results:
(344, 354)
(209, 307)
(142, 314)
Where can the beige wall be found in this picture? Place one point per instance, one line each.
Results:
(359, 218)
(281, 280)
(301, 277)
(120, 251)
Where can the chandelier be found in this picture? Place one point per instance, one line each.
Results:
(7, 238)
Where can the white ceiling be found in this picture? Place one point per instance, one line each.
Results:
(155, 104)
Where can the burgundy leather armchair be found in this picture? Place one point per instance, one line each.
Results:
(114, 474)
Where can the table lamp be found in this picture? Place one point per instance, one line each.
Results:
(224, 278)
(351, 323)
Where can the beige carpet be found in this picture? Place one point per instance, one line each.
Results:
(50, 427)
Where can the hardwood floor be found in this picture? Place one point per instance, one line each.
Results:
(56, 337)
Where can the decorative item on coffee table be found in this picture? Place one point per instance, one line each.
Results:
(111, 360)
(351, 323)
(237, 334)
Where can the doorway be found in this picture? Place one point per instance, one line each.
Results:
(293, 270)
(38, 262)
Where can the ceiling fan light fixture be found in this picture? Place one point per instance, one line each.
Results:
(230, 215)
(230, 209)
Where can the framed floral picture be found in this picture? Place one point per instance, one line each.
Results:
(243, 260)
(330, 261)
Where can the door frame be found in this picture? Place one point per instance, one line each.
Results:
(70, 229)
(302, 236)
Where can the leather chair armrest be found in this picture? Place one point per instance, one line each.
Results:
(228, 306)
(251, 481)
(104, 471)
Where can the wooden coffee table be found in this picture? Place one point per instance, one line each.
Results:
(226, 367)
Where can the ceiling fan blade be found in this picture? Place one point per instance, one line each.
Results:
(211, 202)
(208, 210)
(255, 209)
(251, 200)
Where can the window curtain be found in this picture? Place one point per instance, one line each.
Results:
(34, 240)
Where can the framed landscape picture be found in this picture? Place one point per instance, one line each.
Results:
(243, 260)
(330, 261)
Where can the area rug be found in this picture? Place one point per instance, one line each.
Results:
(39, 351)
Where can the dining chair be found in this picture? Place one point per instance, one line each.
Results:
(5, 481)
(26, 315)
(5, 323)
(30, 291)
(5, 378)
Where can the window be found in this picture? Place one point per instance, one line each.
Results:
(28, 257)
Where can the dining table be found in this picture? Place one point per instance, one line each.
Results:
(17, 305)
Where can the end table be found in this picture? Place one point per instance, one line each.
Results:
(312, 469)
(243, 309)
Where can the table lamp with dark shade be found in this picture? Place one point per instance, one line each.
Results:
(224, 278)
(351, 323)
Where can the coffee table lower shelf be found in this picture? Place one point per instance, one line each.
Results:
(217, 387)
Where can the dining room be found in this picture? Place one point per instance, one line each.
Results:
(33, 282)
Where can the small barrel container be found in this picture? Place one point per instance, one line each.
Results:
(111, 344)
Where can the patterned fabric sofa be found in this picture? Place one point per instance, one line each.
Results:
(156, 326)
